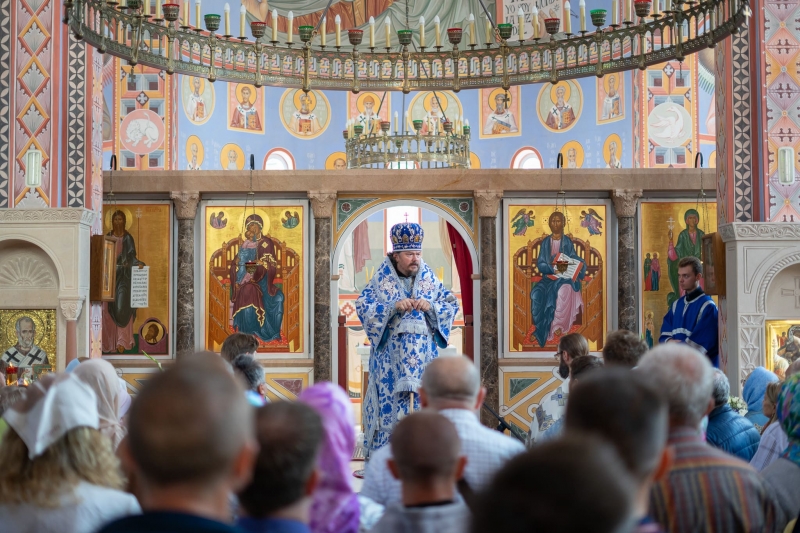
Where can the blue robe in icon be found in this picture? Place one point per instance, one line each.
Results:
(257, 302)
(402, 345)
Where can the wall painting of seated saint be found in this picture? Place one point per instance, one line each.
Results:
(254, 276)
(556, 275)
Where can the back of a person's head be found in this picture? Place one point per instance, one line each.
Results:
(793, 369)
(237, 344)
(574, 344)
(684, 376)
(189, 424)
(9, 396)
(249, 370)
(722, 388)
(618, 406)
(425, 447)
(290, 436)
(623, 348)
(584, 365)
(576, 483)
(451, 379)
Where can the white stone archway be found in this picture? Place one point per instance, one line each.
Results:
(53, 245)
(762, 265)
(380, 205)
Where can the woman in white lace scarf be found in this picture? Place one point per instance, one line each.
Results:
(102, 378)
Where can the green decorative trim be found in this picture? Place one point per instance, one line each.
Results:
(463, 206)
(518, 385)
(347, 207)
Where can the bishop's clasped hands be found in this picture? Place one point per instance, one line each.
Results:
(408, 304)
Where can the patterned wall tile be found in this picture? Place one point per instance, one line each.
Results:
(76, 124)
(5, 96)
(522, 387)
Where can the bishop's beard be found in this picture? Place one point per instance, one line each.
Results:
(563, 369)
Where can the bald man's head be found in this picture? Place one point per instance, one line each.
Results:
(451, 379)
(425, 447)
(190, 423)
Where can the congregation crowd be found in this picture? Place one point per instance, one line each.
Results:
(646, 442)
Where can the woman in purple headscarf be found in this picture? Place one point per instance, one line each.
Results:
(335, 507)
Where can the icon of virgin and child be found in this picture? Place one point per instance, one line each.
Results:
(257, 301)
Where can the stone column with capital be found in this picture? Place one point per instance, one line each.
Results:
(488, 204)
(71, 309)
(185, 210)
(322, 203)
(625, 201)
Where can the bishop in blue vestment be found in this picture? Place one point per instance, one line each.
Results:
(407, 315)
(693, 318)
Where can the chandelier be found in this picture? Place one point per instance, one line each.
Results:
(170, 43)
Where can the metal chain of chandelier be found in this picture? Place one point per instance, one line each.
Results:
(172, 45)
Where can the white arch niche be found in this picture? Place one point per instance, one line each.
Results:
(348, 228)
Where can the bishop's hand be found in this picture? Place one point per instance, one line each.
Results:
(422, 305)
(405, 305)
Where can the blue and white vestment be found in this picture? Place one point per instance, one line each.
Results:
(693, 319)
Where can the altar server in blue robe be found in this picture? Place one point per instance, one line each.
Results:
(693, 318)
(407, 315)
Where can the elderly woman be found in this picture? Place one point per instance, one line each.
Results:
(773, 438)
(335, 508)
(753, 393)
(58, 473)
(782, 477)
(102, 378)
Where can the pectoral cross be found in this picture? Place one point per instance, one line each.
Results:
(793, 292)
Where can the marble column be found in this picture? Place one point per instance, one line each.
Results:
(71, 309)
(322, 203)
(625, 201)
(488, 203)
(185, 210)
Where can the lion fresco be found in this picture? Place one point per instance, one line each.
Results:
(141, 129)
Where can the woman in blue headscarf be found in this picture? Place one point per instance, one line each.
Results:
(753, 393)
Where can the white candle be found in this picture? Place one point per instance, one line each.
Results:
(615, 12)
(667, 5)
(626, 12)
(197, 14)
(488, 30)
(274, 24)
(186, 12)
(535, 21)
(582, 13)
(147, 7)
(437, 30)
(227, 11)
(242, 18)
(289, 30)
(387, 28)
(338, 22)
(567, 21)
(323, 33)
(422, 32)
(471, 29)
(657, 6)
(396, 122)
(158, 9)
(372, 32)
(521, 24)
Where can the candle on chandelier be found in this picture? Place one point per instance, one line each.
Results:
(289, 30)
(521, 24)
(323, 34)
(146, 10)
(227, 12)
(242, 18)
(422, 32)
(387, 29)
(437, 30)
(471, 29)
(615, 12)
(657, 5)
(197, 14)
(535, 21)
(186, 13)
(338, 22)
(488, 30)
(396, 123)
(158, 9)
(626, 12)
(567, 18)
(582, 13)
(372, 32)
(274, 24)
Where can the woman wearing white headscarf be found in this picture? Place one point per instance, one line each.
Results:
(58, 473)
(102, 378)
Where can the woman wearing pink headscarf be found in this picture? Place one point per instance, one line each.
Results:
(335, 507)
(102, 378)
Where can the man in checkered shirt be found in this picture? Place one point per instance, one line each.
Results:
(451, 386)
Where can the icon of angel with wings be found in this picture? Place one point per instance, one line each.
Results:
(592, 222)
(523, 220)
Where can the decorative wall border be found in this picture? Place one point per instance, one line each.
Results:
(743, 150)
(5, 94)
(76, 123)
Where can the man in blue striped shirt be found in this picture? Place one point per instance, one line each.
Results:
(693, 319)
